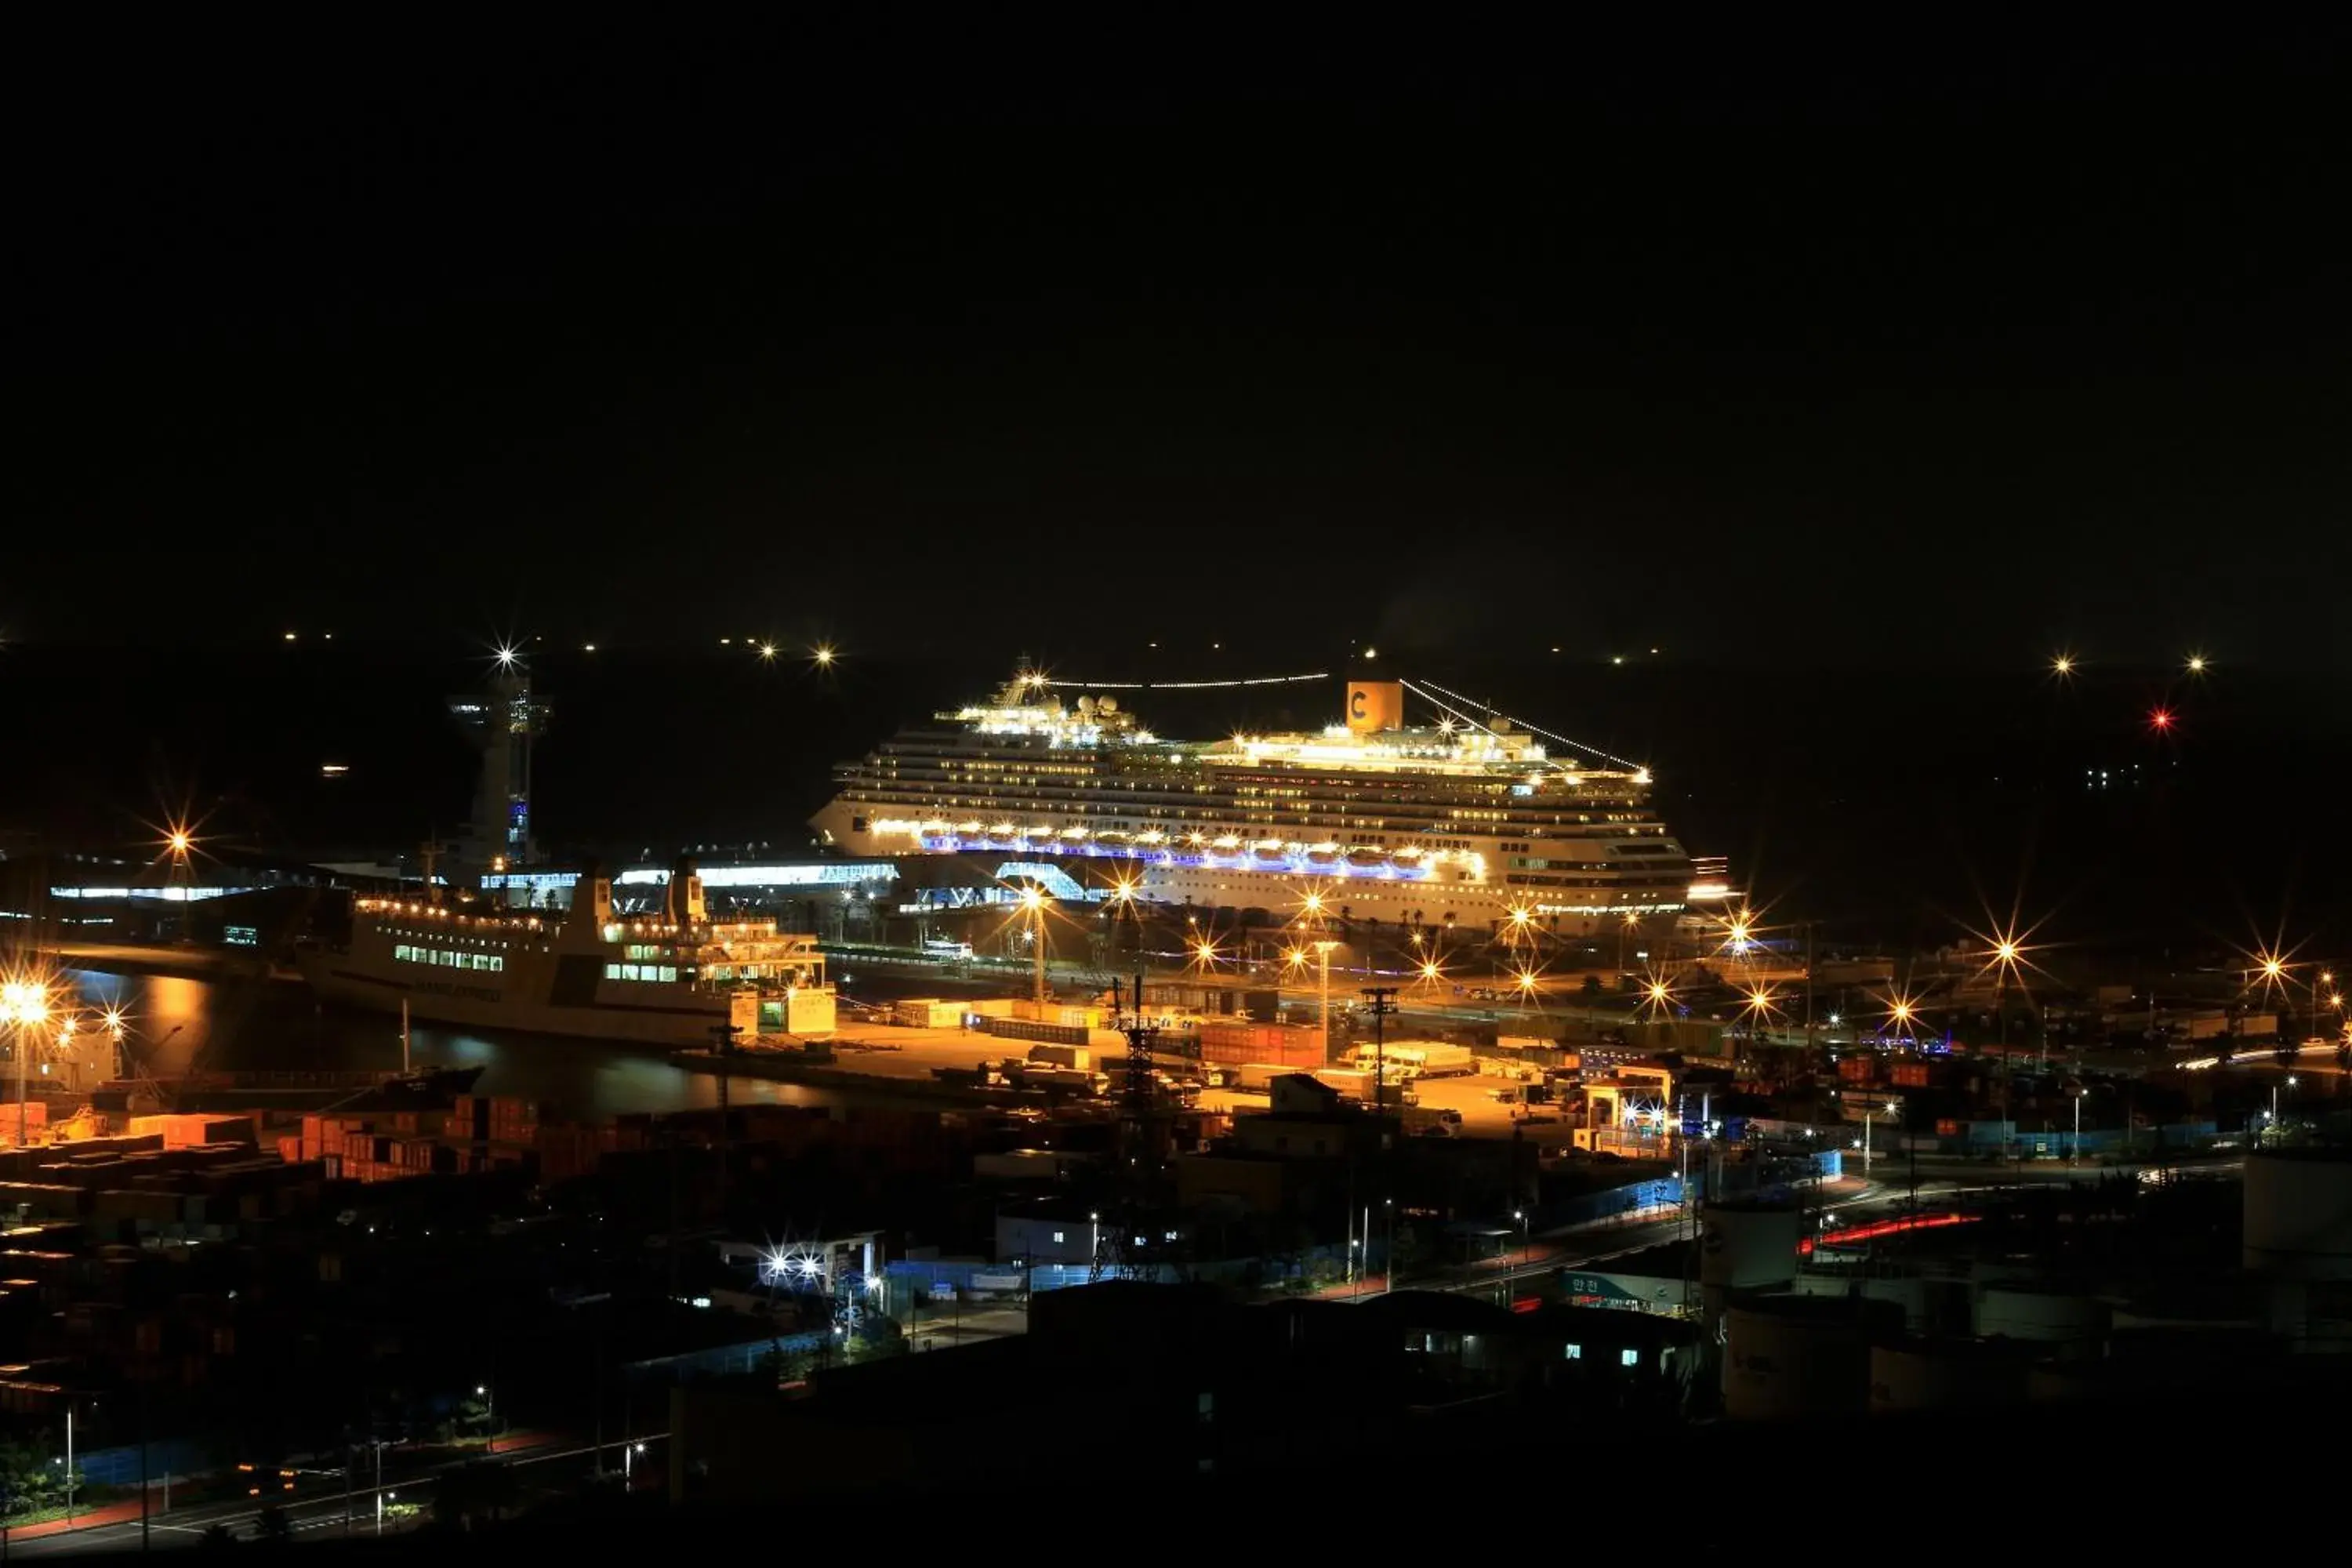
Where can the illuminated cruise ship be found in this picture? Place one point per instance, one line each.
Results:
(1467, 819)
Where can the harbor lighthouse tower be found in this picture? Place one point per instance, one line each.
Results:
(502, 722)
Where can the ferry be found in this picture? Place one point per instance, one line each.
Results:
(1461, 818)
(674, 981)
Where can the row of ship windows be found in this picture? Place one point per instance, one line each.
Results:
(1187, 781)
(523, 946)
(659, 972)
(1095, 790)
(926, 800)
(447, 958)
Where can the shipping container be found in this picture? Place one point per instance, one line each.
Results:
(1910, 1075)
(1024, 1029)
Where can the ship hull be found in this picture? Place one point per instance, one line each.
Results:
(680, 1020)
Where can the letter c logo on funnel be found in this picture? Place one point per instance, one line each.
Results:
(1356, 702)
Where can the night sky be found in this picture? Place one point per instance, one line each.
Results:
(1806, 349)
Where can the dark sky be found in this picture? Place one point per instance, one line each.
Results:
(1836, 347)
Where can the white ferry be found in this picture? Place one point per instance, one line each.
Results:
(583, 971)
(1463, 819)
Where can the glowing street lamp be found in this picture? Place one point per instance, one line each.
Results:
(1658, 996)
(2063, 666)
(824, 656)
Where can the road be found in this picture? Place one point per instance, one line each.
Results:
(556, 1467)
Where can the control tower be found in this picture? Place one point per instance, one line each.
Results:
(502, 721)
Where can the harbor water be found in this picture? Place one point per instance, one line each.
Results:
(176, 1026)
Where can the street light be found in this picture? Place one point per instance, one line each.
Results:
(1521, 1215)
(1323, 964)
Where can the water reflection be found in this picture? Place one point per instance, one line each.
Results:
(176, 1025)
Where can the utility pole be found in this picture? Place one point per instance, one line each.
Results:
(1114, 1256)
(1809, 972)
(1381, 1002)
(723, 1038)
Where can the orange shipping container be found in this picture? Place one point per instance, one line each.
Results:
(1911, 1074)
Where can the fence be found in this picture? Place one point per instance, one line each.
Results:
(122, 1466)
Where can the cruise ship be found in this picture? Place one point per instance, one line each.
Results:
(583, 972)
(1463, 819)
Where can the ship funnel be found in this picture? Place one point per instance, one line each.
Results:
(592, 895)
(685, 902)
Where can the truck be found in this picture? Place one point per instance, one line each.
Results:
(1418, 1059)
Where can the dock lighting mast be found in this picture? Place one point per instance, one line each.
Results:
(1032, 904)
(1323, 956)
(24, 1004)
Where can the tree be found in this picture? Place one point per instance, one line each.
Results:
(274, 1526)
(30, 1479)
(217, 1538)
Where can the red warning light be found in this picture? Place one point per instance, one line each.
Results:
(2160, 720)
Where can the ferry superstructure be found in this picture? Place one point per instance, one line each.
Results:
(584, 972)
(1462, 821)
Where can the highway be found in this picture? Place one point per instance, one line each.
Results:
(558, 1466)
(1851, 1201)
